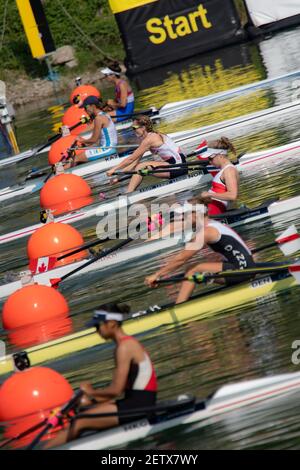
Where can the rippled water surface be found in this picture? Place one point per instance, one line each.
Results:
(243, 342)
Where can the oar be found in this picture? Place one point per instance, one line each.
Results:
(55, 282)
(288, 242)
(107, 147)
(158, 169)
(147, 112)
(54, 420)
(88, 245)
(54, 138)
(200, 278)
(23, 434)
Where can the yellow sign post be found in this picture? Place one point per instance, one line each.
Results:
(36, 27)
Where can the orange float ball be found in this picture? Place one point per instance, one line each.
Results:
(83, 91)
(55, 238)
(65, 193)
(59, 148)
(72, 116)
(27, 397)
(32, 390)
(33, 304)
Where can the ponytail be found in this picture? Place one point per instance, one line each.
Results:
(225, 144)
(146, 122)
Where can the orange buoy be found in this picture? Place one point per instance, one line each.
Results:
(55, 239)
(59, 148)
(72, 116)
(27, 398)
(33, 304)
(36, 314)
(65, 193)
(83, 91)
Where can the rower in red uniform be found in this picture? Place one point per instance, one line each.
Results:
(225, 185)
(219, 238)
(134, 378)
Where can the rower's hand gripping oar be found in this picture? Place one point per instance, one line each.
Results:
(54, 138)
(200, 278)
(56, 419)
(288, 242)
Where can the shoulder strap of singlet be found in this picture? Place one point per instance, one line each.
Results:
(223, 169)
(125, 338)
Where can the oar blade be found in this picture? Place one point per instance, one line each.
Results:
(294, 270)
(289, 241)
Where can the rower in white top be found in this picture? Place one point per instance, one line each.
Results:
(158, 144)
(104, 132)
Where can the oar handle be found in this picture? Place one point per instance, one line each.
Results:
(52, 422)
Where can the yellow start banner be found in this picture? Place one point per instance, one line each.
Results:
(117, 6)
(156, 32)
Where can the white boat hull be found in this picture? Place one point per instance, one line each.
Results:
(228, 398)
(174, 108)
(160, 189)
(116, 258)
(149, 248)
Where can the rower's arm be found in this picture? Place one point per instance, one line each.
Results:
(176, 262)
(135, 156)
(118, 384)
(232, 184)
(123, 96)
(95, 137)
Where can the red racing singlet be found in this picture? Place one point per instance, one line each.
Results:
(217, 206)
(141, 376)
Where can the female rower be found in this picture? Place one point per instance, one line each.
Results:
(158, 144)
(225, 184)
(134, 377)
(123, 104)
(221, 239)
(104, 132)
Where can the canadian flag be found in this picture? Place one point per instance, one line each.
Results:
(41, 265)
(289, 241)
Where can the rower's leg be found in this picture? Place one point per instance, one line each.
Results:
(80, 158)
(187, 287)
(78, 426)
(137, 179)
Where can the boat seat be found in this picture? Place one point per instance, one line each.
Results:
(173, 408)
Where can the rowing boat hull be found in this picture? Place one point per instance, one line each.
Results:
(107, 262)
(105, 163)
(159, 189)
(228, 398)
(175, 108)
(150, 248)
(200, 307)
